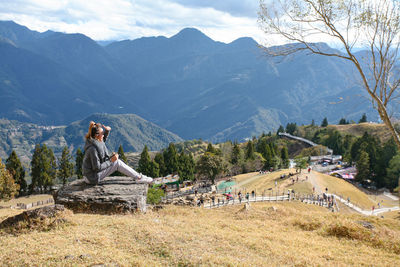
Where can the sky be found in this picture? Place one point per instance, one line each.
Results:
(101, 20)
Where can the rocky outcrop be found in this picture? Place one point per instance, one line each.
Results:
(114, 195)
(41, 219)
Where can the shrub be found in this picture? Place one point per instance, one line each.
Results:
(154, 195)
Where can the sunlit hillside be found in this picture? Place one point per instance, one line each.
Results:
(292, 234)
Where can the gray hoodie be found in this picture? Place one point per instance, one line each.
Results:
(96, 159)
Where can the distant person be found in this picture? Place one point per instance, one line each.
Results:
(309, 169)
(98, 163)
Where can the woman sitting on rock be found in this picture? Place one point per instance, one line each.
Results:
(98, 164)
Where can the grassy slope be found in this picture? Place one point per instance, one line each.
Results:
(342, 188)
(295, 234)
(266, 181)
(378, 130)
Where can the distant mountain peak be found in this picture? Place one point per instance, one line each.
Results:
(244, 42)
(191, 33)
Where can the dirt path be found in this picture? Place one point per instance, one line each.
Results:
(314, 181)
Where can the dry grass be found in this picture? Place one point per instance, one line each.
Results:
(25, 200)
(374, 129)
(342, 188)
(295, 234)
(261, 182)
(242, 177)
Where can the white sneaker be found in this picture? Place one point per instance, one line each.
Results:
(145, 179)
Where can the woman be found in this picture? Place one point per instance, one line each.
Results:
(97, 162)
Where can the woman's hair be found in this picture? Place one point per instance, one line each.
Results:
(94, 129)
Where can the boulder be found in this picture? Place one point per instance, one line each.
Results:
(116, 194)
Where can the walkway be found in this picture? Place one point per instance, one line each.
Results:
(376, 212)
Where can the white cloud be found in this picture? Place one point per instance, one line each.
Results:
(130, 19)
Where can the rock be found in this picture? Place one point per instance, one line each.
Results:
(367, 225)
(40, 219)
(273, 208)
(116, 194)
(190, 197)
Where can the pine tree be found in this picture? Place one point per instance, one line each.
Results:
(145, 162)
(159, 159)
(171, 159)
(44, 168)
(250, 150)
(363, 171)
(154, 169)
(122, 154)
(50, 167)
(312, 122)
(235, 157)
(324, 122)
(280, 130)
(393, 173)
(363, 118)
(8, 187)
(36, 169)
(78, 163)
(186, 167)
(285, 157)
(66, 166)
(14, 166)
(268, 157)
(343, 121)
(291, 128)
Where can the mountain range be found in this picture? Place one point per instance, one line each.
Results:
(188, 84)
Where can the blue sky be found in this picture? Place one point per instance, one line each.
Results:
(222, 20)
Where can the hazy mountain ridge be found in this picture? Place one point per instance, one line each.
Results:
(188, 83)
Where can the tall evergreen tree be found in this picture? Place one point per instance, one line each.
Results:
(145, 162)
(36, 169)
(236, 155)
(280, 130)
(186, 167)
(66, 166)
(291, 128)
(312, 122)
(285, 157)
(250, 150)
(171, 159)
(122, 154)
(159, 159)
(14, 166)
(393, 173)
(44, 168)
(324, 122)
(363, 171)
(363, 118)
(343, 121)
(78, 163)
(50, 164)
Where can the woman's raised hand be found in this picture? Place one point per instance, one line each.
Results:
(108, 128)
